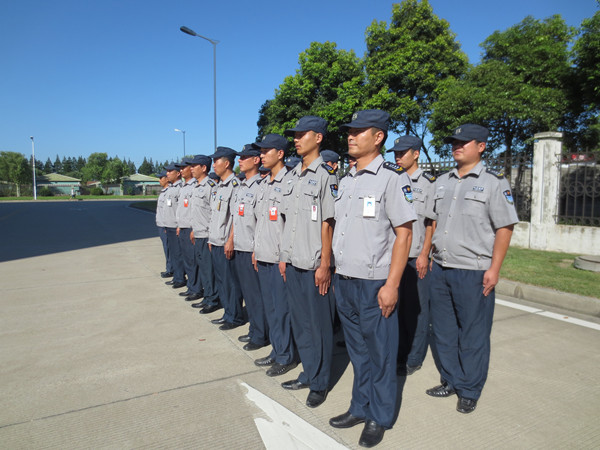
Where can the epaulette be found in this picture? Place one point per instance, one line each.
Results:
(429, 177)
(235, 183)
(211, 183)
(393, 167)
(330, 170)
(497, 173)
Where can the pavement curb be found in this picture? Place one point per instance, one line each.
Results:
(550, 297)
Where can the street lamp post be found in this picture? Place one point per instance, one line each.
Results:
(33, 164)
(182, 132)
(186, 30)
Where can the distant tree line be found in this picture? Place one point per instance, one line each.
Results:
(538, 75)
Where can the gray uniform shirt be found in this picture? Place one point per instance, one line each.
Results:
(184, 204)
(201, 198)
(161, 205)
(171, 197)
(242, 209)
(369, 205)
(422, 189)
(269, 221)
(221, 219)
(468, 212)
(308, 200)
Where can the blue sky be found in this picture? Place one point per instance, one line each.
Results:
(117, 76)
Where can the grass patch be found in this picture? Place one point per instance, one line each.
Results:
(551, 270)
(149, 205)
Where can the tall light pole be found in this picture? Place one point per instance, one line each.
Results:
(183, 132)
(33, 164)
(186, 30)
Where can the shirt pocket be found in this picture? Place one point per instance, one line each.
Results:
(475, 204)
(309, 196)
(362, 207)
(438, 201)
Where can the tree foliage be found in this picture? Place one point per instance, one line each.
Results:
(15, 168)
(146, 168)
(328, 84)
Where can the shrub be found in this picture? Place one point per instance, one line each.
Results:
(96, 191)
(46, 192)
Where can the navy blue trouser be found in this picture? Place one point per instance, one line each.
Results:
(277, 313)
(250, 287)
(462, 323)
(206, 274)
(175, 255)
(228, 286)
(312, 326)
(372, 344)
(413, 316)
(189, 259)
(162, 233)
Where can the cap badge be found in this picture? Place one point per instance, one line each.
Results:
(458, 131)
(355, 116)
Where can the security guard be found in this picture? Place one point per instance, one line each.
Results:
(171, 200)
(161, 205)
(413, 305)
(371, 241)
(184, 229)
(244, 225)
(220, 239)
(267, 240)
(308, 207)
(475, 217)
(331, 158)
(201, 211)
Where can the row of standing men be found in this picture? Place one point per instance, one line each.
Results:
(383, 246)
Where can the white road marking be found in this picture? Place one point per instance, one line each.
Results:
(285, 430)
(551, 315)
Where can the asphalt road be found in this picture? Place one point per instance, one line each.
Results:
(96, 352)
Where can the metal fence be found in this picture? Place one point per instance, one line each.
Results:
(579, 189)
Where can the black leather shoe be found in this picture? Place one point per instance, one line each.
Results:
(279, 369)
(229, 326)
(371, 435)
(220, 321)
(466, 405)
(264, 362)
(252, 346)
(197, 305)
(210, 309)
(316, 398)
(166, 274)
(192, 297)
(178, 285)
(244, 338)
(443, 390)
(185, 294)
(294, 385)
(412, 369)
(345, 420)
(169, 283)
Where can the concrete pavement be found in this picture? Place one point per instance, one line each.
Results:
(98, 353)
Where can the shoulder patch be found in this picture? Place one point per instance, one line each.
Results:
(429, 177)
(393, 167)
(330, 170)
(497, 173)
(235, 183)
(211, 183)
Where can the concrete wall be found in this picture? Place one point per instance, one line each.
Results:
(542, 233)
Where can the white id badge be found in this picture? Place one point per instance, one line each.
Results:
(313, 213)
(169, 202)
(369, 207)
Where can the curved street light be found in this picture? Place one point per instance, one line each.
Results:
(183, 132)
(191, 32)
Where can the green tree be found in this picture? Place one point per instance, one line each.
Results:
(146, 168)
(328, 84)
(519, 89)
(112, 173)
(57, 166)
(15, 168)
(67, 165)
(94, 168)
(406, 62)
(48, 166)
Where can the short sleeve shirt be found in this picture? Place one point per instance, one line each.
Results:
(269, 221)
(161, 205)
(201, 198)
(369, 205)
(221, 218)
(468, 212)
(308, 201)
(244, 221)
(422, 194)
(171, 199)
(184, 204)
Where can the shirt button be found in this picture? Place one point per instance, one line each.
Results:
(342, 233)
(446, 232)
(444, 249)
(453, 198)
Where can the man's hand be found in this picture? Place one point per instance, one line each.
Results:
(254, 262)
(387, 297)
(192, 237)
(177, 231)
(282, 266)
(229, 249)
(422, 266)
(490, 280)
(323, 279)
